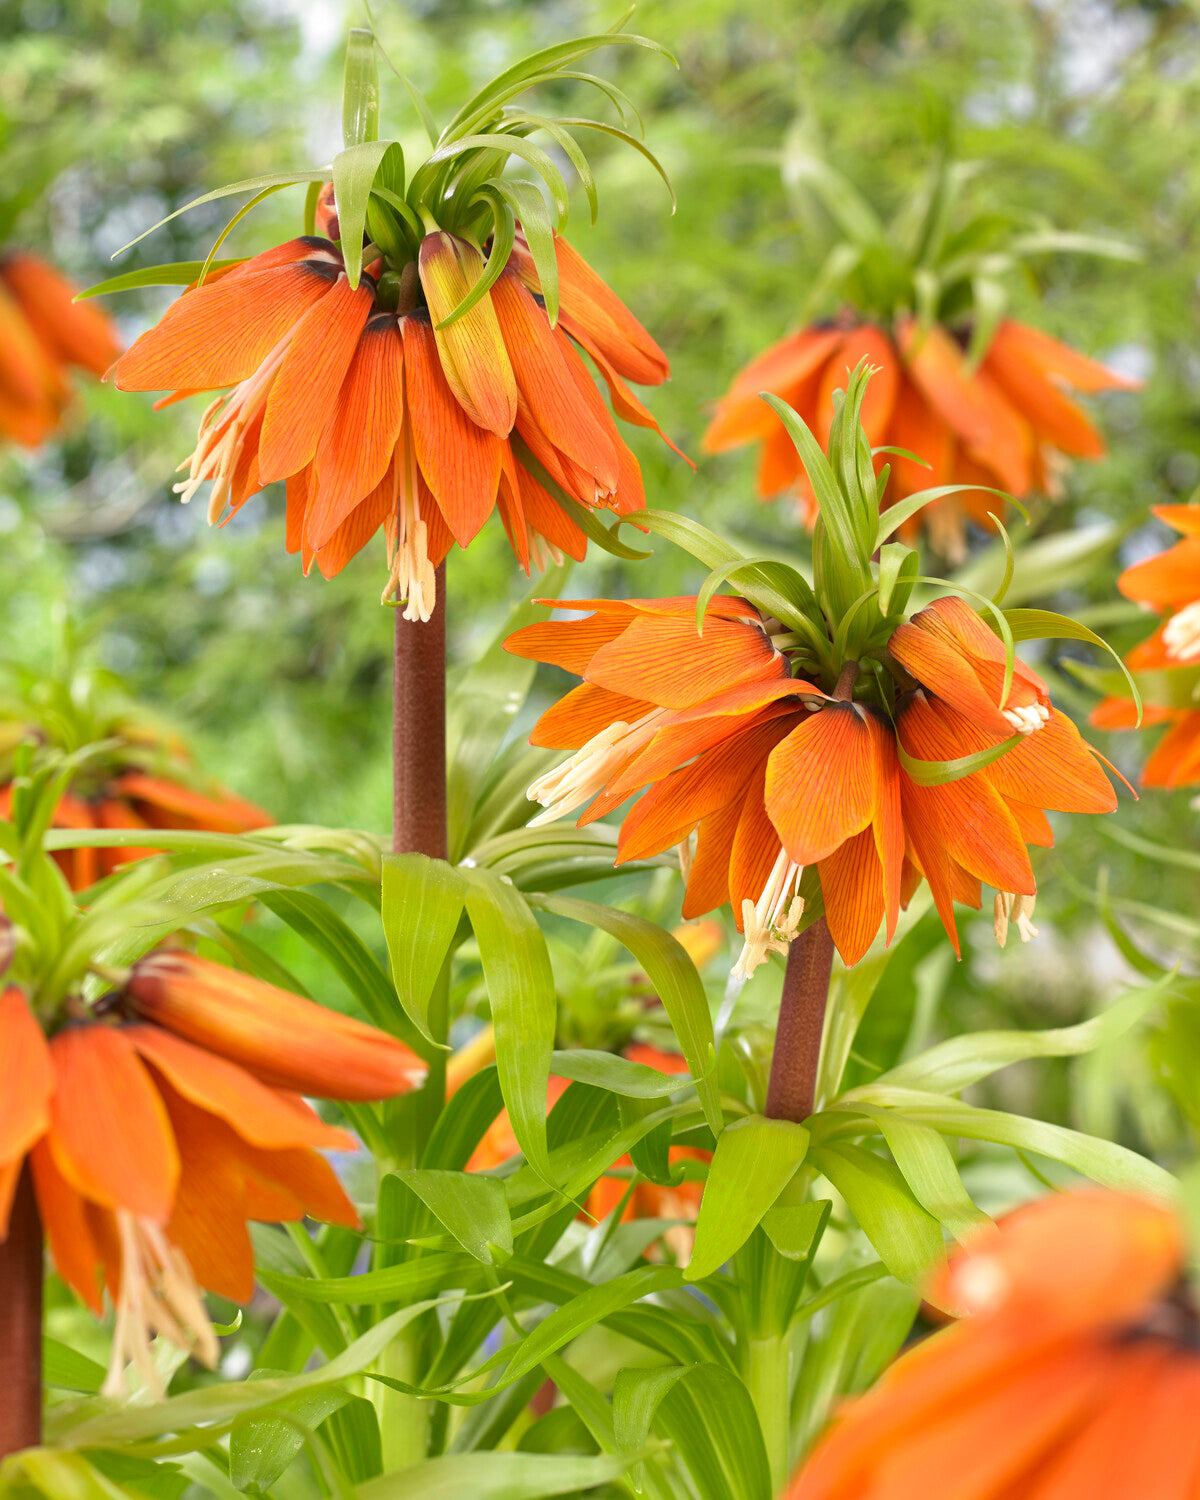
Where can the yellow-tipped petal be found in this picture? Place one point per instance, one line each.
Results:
(471, 349)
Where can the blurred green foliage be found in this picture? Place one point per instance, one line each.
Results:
(119, 112)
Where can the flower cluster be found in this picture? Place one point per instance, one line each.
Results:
(157, 1123)
(1000, 426)
(44, 333)
(761, 775)
(1167, 664)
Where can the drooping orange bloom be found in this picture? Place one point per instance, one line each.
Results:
(376, 416)
(152, 1141)
(133, 799)
(1002, 425)
(1072, 1375)
(773, 774)
(44, 332)
(1170, 584)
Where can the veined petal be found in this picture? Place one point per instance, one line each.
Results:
(743, 415)
(822, 782)
(26, 1077)
(667, 662)
(949, 674)
(627, 403)
(260, 1115)
(872, 344)
(852, 889)
(220, 334)
(586, 301)
(1054, 768)
(309, 1179)
(570, 644)
(546, 517)
(356, 449)
(677, 743)
(1048, 357)
(373, 511)
(546, 384)
(1176, 758)
(756, 844)
(471, 350)
(304, 392)
(708, 882)
(673, 806)
(460, 460)
(887, 826)
(582, 713)
(109, 1131)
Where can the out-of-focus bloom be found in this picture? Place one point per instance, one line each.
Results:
(648, 1200)
(1073, 1372)
(1003, 425)
(139, 778)
(157, 1125)
(773, 774)
(44, 333)
(378, 417)
(1170, 584)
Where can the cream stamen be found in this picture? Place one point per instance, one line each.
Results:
(413, 577)
(1181, 633)
(1009, 908)
(577, 780)
(1027, 720)
(158, 1295)
(772, 922)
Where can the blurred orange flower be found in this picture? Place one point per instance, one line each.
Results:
(152, 1141)
(1170, 584)
(1072, 1373)
(376, 415)
(731, 747)
(1002, 425)
(43, 333)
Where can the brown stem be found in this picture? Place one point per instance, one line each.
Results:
(847, 677)
(419, 732)
(21, 1323)
(792, 1089)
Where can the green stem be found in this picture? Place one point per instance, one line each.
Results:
(403, 1420)
(768, 1379)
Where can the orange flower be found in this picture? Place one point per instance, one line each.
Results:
(43, 332)
(132, 799)
(152, 1142)
(1002, 425)
(377, 416)
(1168, 582)
(774, 774)
(1072, 1374)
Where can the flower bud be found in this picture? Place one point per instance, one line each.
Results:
(284, 1040)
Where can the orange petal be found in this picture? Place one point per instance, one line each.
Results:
(304, 394)
(375, 510)
(626, 403)
(224, 814)
(27, 373)
(260, 1115)
(822, 782)
(546, 385)
(459, 460)
(356, 450)
(26, 1077)
(79, 333)
(1169, 580)
(677, 743)
(1053, 416)
(949, 674)
(916, 426)
(221, 333)
(852, 889)
(873, 345)
(779, 464)
(888, 823)
(72, 1245)
(666, 661)
(287, 1042)
(1055, 768)
(1176, 758)
(756, 845)
(109, 1131)
(569, 644)
(1048, 357)
(582, 713)
(708, 882)
(595, 309)
(545, 516)
(471, 350)
(743, 415)
(672, 807)
(1185, 518)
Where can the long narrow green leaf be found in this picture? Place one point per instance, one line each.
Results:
(754, 1161)
(247, 185)
(423, 901)
(353, 174)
